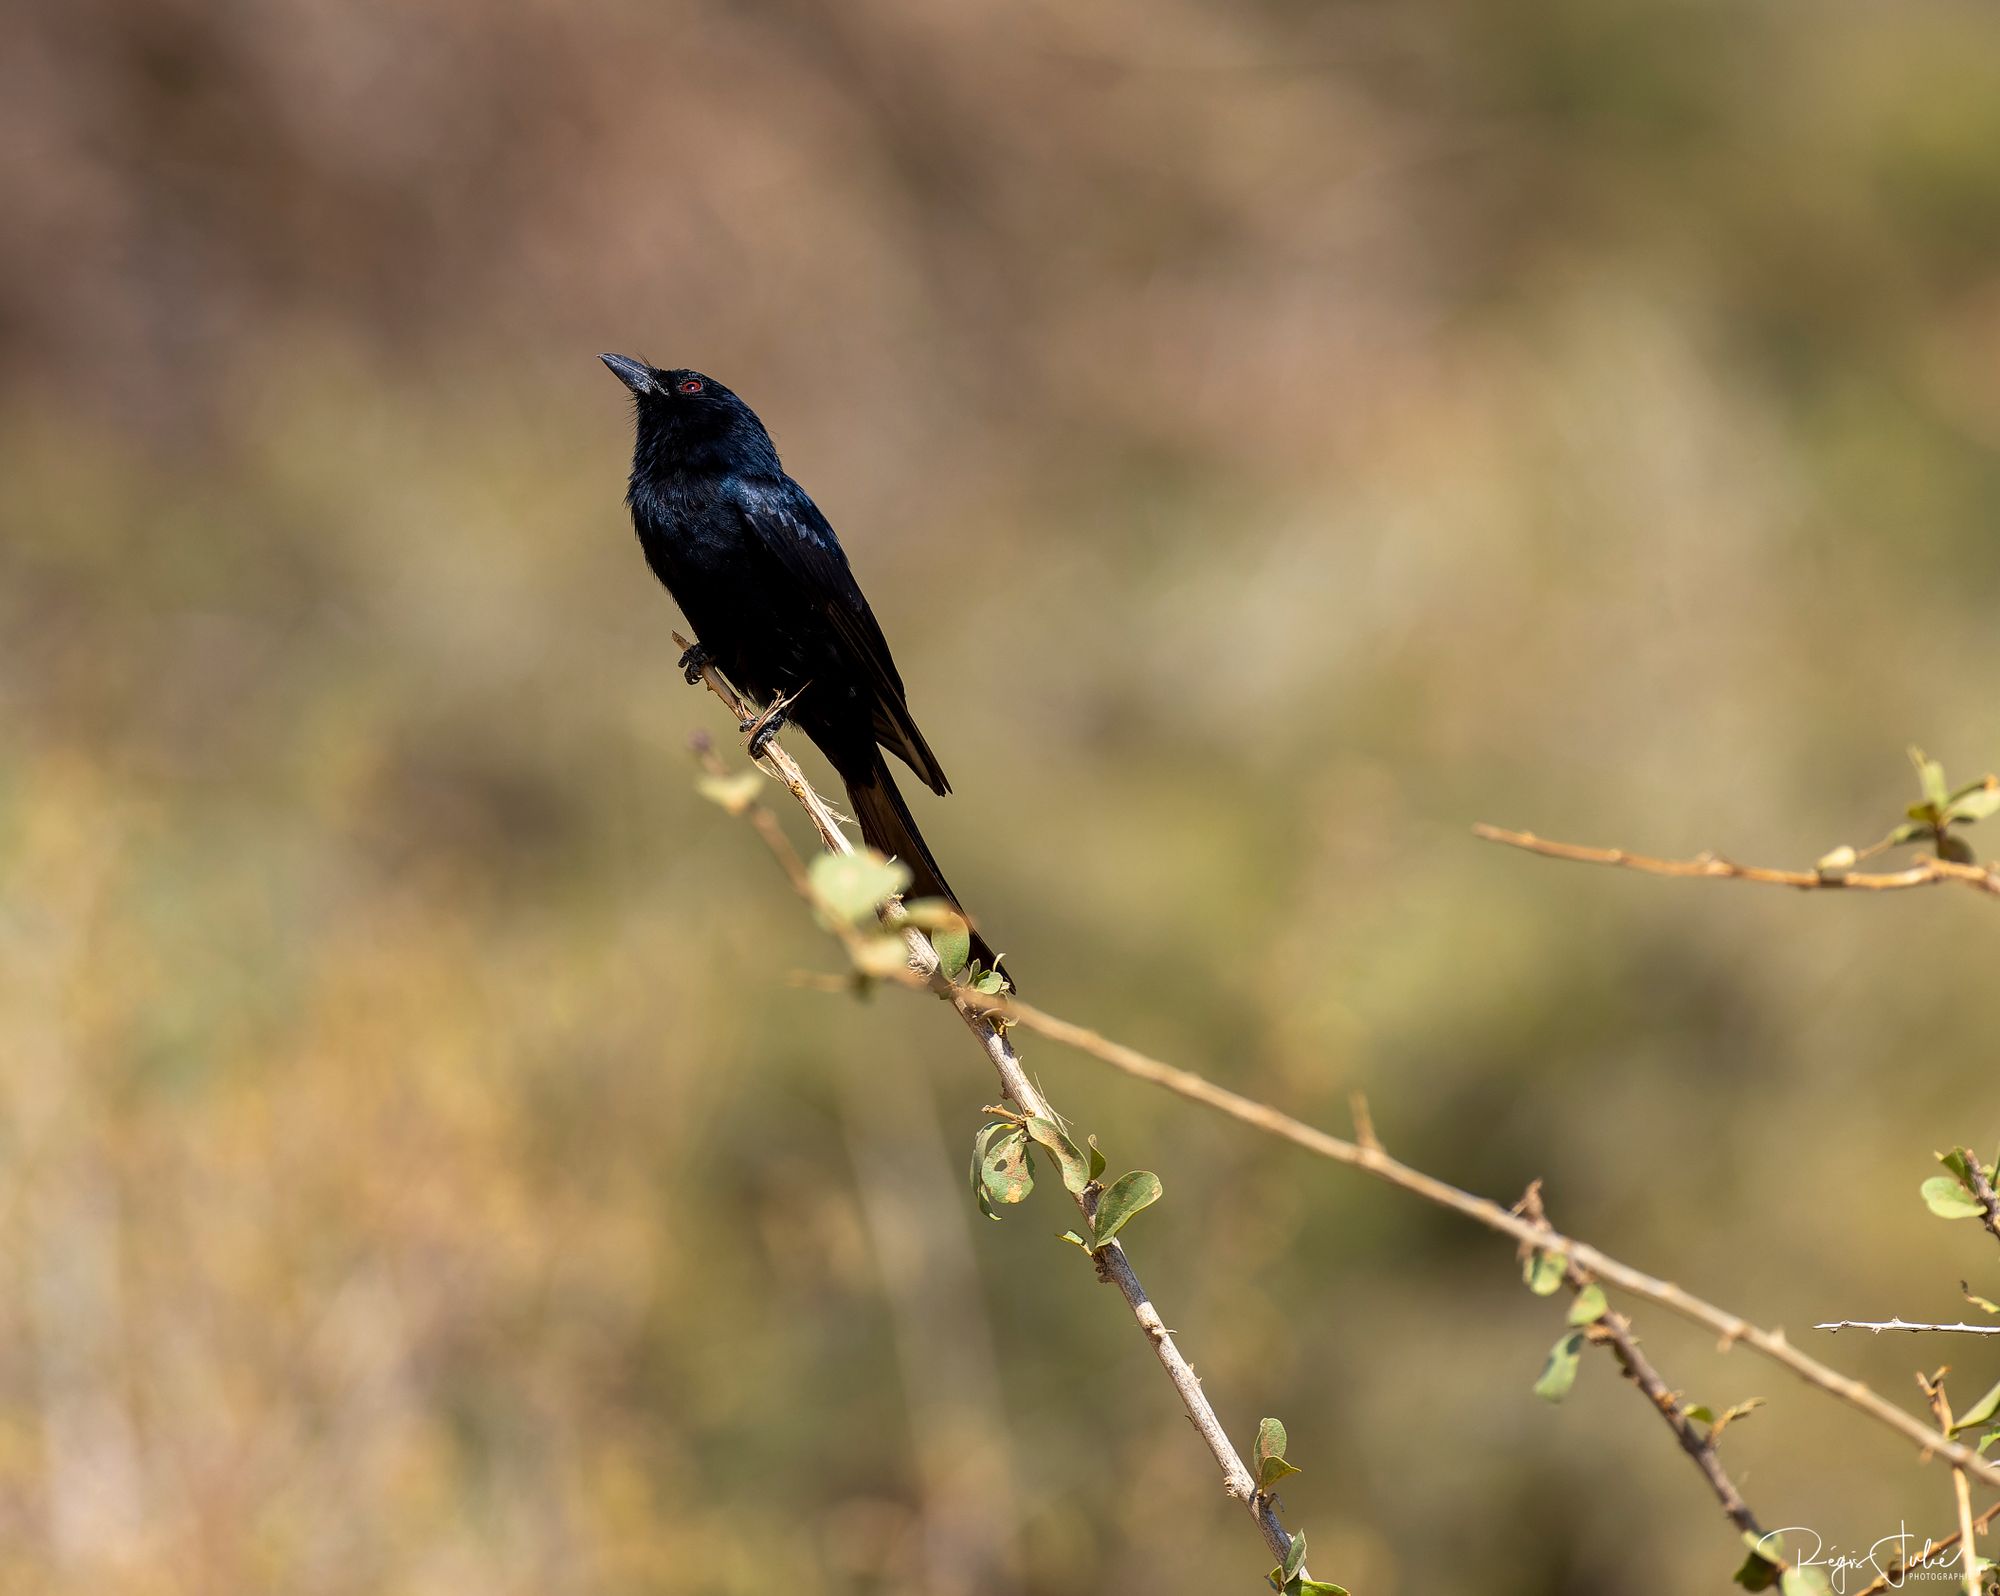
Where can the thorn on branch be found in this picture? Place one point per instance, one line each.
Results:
(1364, 1124)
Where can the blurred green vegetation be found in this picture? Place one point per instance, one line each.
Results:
(1274, 437)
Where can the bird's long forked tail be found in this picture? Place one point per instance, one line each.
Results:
(888, 827)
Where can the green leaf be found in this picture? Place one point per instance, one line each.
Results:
(1979, 1413)
(1700, 1412)
(1804, 1582)
(1756, 1573)
(980, 1138)
(1763, 1567)
(1267, 1456)
(953, 949)
(947, 930)
(1957, 1162)
(1097, 1165)
(1986, 1440)
(1074, 1240)
(1273, 1470)
(1270, 1441)
(1075, 1172)
(1126, 1196)
(1559, 1373)
(1295, 1556)
(991, 982)
(850, 886)
(1304, 1587)
(1544, 1272)
(1915, 829)
(1008, 1172)
(735, 793)
(1981, 803)
(1002, 1172)
(1589, 1306)
(1949, 1200)
(1930, 776)
(1986, 1304)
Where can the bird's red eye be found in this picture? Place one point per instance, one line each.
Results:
(691, 385)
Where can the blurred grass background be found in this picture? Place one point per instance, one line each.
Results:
(1274, 436)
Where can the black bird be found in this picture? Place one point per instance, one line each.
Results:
(758, 572)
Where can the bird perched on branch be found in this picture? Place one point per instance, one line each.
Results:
(763, 580)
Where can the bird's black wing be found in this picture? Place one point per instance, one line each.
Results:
(788, 526)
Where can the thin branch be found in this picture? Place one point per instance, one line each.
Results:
(979, 1012)
(1613, 1331)
(1111, 1261)
(1941, 1410)
(1373, 1160)
(1877, 1326)
(1981, 1180)
(1926, 873)
(1616, 1330)
(1894, 1578)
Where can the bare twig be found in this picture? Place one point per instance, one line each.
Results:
(1926, 873)
(1111, 1260)
(1877, 1326)
(1933, 1388)
(1373, 1160)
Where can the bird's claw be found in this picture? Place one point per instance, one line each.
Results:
(764, 728)
(693, 663)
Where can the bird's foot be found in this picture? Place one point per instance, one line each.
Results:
(693, 663)
(762, 728)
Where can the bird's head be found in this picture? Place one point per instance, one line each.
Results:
(690, 422)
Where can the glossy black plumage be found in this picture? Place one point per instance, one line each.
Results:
(766, 585)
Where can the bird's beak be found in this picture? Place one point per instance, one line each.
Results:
(635, 374)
